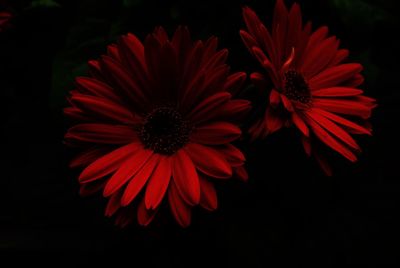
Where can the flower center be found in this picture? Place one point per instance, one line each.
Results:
(164, 131)
(296, 87)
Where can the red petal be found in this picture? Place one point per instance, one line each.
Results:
(208, 198)
(334, 129)
(179, 208)
(294, 28)
(355, 81)
(76, 114)
(248, 40)
(210, 48)
(152, 52)
(128, 170)
(97, 88)
(274, 98)
(306, 145)
(108, 163)
(342, 121)
(258, 130)
(215, 133)
(91, 188)
(348, 107)
(103, 108)
(88, 157)
(185, 177)
(168, 73)
(337, 92)
(273, 120)
(138, 180)
(209, 161)
(158, 183)
(145, 216)
(320, 57)
(287, 103)
(101, 133)
(232, 110)
(112, 51)
(326, 138)
(235, 82)
(241, 173)
(133, 57)
(214, 81)
(258, 80)
(232, 154)
(217, 59)
(299, 123)
(323, 164)
(341, 55)
(182, 43)
(113, 204)
(160, 34)
(314, 40)
(125, 82)
(260, 56)
(204, 110)
(335, 75)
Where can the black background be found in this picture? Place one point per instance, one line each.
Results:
(289, 213)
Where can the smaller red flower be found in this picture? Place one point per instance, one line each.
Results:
(312, 88)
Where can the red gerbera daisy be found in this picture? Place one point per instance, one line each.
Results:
(312, 88)
(157, 119)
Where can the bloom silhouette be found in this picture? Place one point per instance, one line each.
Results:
(312, 88)
(156, 121)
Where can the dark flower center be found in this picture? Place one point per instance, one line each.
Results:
(165, 131)
(296, 87)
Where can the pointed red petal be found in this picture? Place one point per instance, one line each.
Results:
(342, 121)
(299, 123)
(145, 216)
(108, 163)
(334, 129)
(335, 75)
(347, 107)
(138, 181)
(215, 133)
(180, 209)
(101, 133)
(326, 138)
(209, 161)
(127, 170)
(113, 204)
(208, 198)
(232, 154)
(158, 183)
(185, 177)
(337, 92)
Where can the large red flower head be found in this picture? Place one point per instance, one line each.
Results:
(312, 88)
(156, 121)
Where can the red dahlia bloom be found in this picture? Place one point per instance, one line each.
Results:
(157, 118)
(312, 88)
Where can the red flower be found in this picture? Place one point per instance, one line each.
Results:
(157, 119)
(312, 88)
